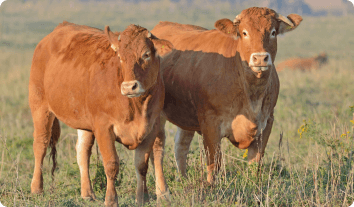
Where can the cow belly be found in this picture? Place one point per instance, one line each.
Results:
(65, 92)
(182, 118)
(181, 113)
(74, 117)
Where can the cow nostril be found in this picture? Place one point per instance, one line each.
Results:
(266, 58)
(134, 86)
(254, 59)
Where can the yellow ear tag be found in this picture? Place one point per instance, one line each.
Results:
(289, 27)
(162, 46)
(114, 47)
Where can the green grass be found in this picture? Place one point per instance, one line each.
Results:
(314, 170)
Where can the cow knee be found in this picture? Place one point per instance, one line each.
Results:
(112, 169)
(142, 169)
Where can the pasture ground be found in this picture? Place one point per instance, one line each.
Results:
(309, 157)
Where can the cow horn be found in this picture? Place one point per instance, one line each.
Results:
(149, 35)
(285, 19)
(119, 38)
(237, 19)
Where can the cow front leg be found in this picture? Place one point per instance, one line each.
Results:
(211, 141)
(257, 147)
(183, 141)
(105, 140)
(162, 191)
(141, 162)
(84, 145)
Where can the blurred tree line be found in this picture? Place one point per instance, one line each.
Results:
(283, 6)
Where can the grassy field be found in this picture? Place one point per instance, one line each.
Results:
(310, 155)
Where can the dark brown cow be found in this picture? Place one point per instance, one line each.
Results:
(222, 82)
(304, 64)
(76, 77)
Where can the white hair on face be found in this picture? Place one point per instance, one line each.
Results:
(269, 62)
(271, 33)
(245, 33)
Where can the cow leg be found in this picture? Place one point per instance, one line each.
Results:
(105, 141)
(212, 146)
(43, 121)
(162, 191)
(183, 141)
(84, 145)
(257, 147)
(141, 161)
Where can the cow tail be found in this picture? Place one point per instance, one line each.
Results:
(53, 141)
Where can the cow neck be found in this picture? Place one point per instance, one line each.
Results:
(209, 41)
(138, 107)
(139, 120)
(142, 107)
(255, 89)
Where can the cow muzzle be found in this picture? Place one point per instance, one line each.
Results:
(132, 89)
(260, 62)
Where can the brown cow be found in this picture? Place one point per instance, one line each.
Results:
(222, 82)
(304, 64)
(78, 78)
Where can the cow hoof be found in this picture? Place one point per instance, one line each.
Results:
(211, 179)
(181, 177)
(36, 188)
(89, 198)
(36, 191)
(111, 202)
(143, 200)
(164, 199)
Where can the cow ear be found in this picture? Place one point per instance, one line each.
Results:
(288, 23)
(227, 27)
(112, 37)
(163, 47)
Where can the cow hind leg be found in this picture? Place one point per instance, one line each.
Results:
(85, 141)
(183, 141)
(43, 122)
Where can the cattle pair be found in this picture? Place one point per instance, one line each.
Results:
(114, 86)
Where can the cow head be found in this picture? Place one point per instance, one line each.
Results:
(256, 30)
(138, 51)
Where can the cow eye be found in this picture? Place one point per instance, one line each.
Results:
(146, 55)
(244, 33)
(272, 34)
